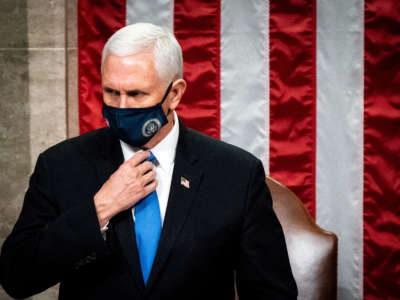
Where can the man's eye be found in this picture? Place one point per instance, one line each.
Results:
(112, 92)
(132, 93)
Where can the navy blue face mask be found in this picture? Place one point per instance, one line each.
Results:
(136, 126)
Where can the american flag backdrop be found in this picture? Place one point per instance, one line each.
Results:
(311, 87)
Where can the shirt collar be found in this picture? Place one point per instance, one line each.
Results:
(164, 151)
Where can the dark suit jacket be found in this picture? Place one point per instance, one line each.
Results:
(223, 222)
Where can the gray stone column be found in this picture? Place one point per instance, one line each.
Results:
(15, 152)
(72, 67)
(38, 95)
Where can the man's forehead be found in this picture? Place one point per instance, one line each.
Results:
(129, 72)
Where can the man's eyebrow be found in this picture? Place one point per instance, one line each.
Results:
(108, 89)
(129, 93)
(135, 92)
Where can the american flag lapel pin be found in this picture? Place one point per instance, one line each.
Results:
(185, 182)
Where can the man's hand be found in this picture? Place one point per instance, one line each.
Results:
(133, 180)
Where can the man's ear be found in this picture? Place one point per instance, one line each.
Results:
(177, 90)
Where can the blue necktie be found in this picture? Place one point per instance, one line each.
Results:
(147, 229)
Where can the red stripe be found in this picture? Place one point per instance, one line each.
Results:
(97, 21)
(293, 96)
(197, 28)
(312, 206)
(382, 150)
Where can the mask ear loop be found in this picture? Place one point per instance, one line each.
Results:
(166, 94)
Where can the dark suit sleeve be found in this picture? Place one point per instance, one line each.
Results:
(47, 245)
(264, 270)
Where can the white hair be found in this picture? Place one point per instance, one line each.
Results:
(139, 37)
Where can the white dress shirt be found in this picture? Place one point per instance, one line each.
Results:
(164, 152)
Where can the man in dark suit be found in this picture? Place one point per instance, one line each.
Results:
(146, 208)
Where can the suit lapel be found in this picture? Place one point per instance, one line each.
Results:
(125, 230)
(186, 179)
(122, 224)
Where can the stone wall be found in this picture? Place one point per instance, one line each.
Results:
(38, 95)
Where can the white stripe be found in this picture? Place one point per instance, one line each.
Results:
(158, 12)
(244, 60)
(339, 178)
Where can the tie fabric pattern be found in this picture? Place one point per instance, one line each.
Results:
(147, 229)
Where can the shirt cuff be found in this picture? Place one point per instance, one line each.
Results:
(103, 230)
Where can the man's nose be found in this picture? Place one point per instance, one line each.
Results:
(123, 100)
